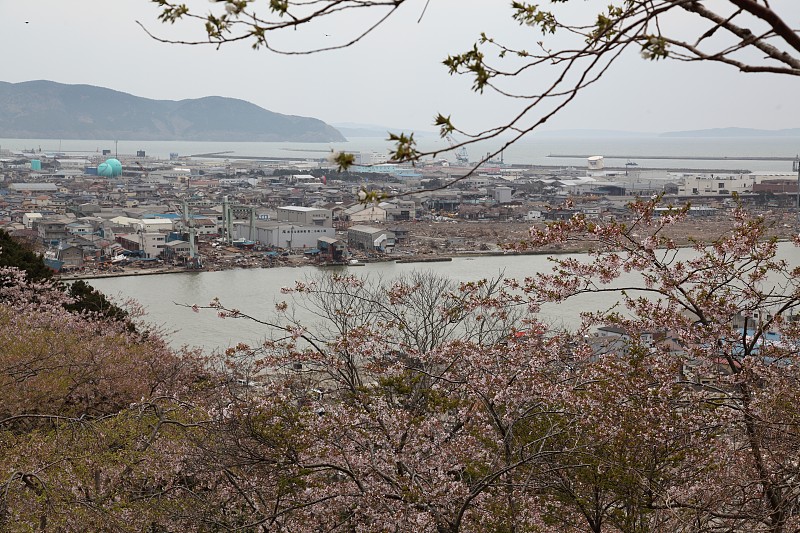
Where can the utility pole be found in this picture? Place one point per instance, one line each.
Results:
(252, 231)
(796, 168)
(190, 223)
(227, 220)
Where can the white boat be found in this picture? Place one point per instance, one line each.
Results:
(52, 259)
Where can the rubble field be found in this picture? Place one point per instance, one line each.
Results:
(445, 238)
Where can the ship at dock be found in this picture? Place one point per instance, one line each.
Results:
(52, 259)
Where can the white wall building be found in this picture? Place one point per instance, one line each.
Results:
(502, 195)
(309, 216)
(713, 185)
(533, 215)
(152, 244)
(283, 235)
(360, 214)
(145, 225)
(202, 226)
(73, 164)
(399, 209)
(369, 158)
(29, 218)
(175, 174)
(595, 162)
(370, 239)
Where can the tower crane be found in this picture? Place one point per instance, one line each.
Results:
(462, 158)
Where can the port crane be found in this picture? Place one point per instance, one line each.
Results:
(462, 158)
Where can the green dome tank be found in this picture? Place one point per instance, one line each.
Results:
(104, 170)
(116, 166)
(111, 168)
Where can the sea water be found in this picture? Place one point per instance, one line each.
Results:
(529, 151)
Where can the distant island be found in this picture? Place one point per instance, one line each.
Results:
(731, 132)
(49, 110)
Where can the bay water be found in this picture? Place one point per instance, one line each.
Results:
(167, 297)
(255, 291)
(529, 151)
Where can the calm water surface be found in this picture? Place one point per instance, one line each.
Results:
(533, 150)
(255, 292)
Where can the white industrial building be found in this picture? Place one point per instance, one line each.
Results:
(369, 158)
(283, 235)
(502, 195)
(308, 216)
(152, 244)
(202, 226)
(32, 187)
(180, 174)
(713, 185)
(360, 213)
(399, 209)
(146, 224)
(370, 239)
(595, 162)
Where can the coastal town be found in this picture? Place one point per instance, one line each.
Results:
(103, 214)
(384, 266)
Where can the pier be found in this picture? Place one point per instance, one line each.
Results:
(227, 155)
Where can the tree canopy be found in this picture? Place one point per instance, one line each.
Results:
(422, 404)
(83, 297)
(15, 254)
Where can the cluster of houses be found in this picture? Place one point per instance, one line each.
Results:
(158, 208)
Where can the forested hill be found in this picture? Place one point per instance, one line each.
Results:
(49, 110)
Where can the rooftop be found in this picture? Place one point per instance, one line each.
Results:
(300, 208)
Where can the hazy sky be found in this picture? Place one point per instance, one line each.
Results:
(393, 78)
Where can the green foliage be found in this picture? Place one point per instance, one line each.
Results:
(344, 160)
(604, 28)
(90, 300)
(86, 299)
(405, 147)
(655, 47)
(171, 13)
(17, 255)
(531, 15)
(757, 38)
(277, 6)
(444, 124)
(472, 62)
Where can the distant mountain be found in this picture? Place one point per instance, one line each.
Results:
(734, 132)
(49, 110)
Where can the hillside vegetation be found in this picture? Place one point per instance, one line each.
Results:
(48, 110)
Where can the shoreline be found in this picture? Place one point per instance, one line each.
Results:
(427, 258)
(429, 245)
(399, 260)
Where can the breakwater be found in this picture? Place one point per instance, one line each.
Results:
(681, 157)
